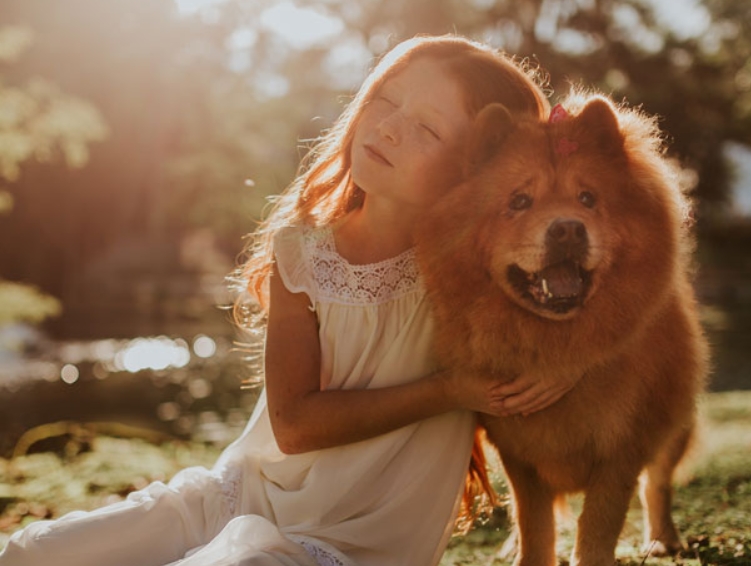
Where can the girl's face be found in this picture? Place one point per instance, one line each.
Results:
(407, 146)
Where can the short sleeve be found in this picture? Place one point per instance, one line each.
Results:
(293, 263)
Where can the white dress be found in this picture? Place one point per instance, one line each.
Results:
(386, 501)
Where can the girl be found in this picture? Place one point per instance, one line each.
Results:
(357, 450)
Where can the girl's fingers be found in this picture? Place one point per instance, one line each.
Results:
(532, 400)
(514, 387)
(526, 395)
(539, 404)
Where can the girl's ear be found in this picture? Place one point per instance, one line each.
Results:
(492, 126)
(599, 122)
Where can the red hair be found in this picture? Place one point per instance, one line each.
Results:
(323, 190)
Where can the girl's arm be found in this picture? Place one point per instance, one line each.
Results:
(304, 418)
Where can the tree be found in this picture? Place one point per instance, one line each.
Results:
(38, 122)
(209, 114)
(690, 65)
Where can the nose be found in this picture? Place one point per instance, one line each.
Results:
(565, 231)
(390, 127)
(567, 238)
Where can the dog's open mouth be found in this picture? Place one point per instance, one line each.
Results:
(559, 287)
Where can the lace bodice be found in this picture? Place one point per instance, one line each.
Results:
(336, 280)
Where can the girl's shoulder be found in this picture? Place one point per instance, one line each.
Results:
(303, 242)
(310, 252)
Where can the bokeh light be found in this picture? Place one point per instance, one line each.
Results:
(69, 374)
(204, 346)
(152, 353)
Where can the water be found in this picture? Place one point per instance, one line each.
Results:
(173, 386)
(182, 377)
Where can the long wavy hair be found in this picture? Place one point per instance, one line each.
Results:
(323, 190)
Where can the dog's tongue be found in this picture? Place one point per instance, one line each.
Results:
(563, 279)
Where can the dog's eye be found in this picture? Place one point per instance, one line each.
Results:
(520, 201)
(587, 199)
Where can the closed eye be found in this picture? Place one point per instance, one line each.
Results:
(431, 131)
(386, 100)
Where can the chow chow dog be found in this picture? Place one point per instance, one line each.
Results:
(565, 253)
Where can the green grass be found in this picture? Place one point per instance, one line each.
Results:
(712, 505)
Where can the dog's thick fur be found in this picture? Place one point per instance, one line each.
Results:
(565, 253)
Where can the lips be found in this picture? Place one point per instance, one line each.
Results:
(376, 155)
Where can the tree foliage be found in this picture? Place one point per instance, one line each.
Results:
(37, 122)
(25, 302)
(209, 113)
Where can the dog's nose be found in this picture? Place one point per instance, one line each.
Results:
(567, 237)
(567, 231)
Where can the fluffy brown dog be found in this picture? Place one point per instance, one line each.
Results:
(565, 253)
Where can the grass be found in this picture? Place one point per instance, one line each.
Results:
(712, 504)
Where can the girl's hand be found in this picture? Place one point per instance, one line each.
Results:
(478, 392)
(529, 393)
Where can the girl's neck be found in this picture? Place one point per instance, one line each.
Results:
(368, 235)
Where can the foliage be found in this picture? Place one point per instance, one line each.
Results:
(712, 504)
(210, 113)
(38, 119)
(44, 484)
(20, 302)
(712, 507)
(36, 122)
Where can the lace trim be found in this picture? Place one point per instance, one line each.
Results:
(230, 478)
(324, 554)
(342, 282)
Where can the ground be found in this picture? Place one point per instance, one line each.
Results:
(712, 504)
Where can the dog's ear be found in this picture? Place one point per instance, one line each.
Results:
(492, 126)
(599, 121)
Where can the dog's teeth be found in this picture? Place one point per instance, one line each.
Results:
(545, 290)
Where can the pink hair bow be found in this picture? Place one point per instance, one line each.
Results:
(565, 146)
(557, 114)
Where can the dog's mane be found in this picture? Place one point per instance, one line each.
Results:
(657, 179)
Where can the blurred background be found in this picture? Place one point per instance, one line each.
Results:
(140, 139)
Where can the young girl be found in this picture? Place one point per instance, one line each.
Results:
(358, 448)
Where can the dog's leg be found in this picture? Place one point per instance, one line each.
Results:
(656, 493)
(601, 521)
(534, 517)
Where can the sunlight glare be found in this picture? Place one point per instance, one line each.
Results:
(685, 18)
(188, 7)
(242, 39)
(152, 353)
(347, 63)
(300, 27)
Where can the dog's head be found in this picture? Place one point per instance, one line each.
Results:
(559, 215)
(548, 237)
